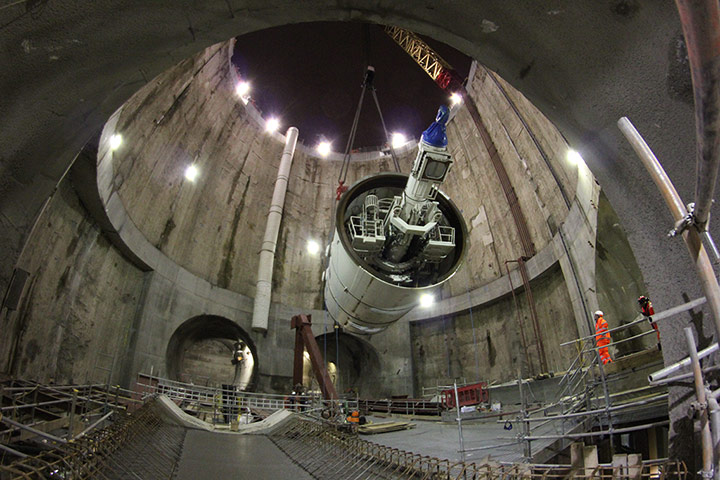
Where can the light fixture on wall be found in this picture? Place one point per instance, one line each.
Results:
(455, 98)
(242, 90)
(323, 148)
(398, 140)
(426, 300)
(574, 157)
(191, 172)
(115, 141)
(313, 247)
(272, 124)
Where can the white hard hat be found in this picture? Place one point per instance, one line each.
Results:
(599, 313)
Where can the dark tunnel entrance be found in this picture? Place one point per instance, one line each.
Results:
(213, 351)
(353, 364)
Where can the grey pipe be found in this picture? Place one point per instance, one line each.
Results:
(684, 376)
(37, 432)
(656, 318)
(263, 292)
(700, 19)
(12, 450)
(654, 377)
(590, 412)
(610, 431)
(95, 424)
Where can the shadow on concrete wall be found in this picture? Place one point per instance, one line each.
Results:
(357, 363)
(200, 350)
(619, 279)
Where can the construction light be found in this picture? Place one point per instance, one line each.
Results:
(242, 89)
(426, 300)
(272, 125)
(191, 173)
(313, 247)
(398, 140)
(574, 157)
(115, 141)
(324, 148)
(455, 98)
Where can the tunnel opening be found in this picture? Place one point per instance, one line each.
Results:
(352, 363)
(213, 351)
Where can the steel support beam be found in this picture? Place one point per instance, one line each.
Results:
(304, 339)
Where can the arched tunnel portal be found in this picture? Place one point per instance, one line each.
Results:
(202, 350)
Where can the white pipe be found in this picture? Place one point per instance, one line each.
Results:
(261, 307)
(714, 411)
(687, 361)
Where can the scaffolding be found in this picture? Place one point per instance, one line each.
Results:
(585, 404)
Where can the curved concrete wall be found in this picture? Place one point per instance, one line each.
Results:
(213, 227)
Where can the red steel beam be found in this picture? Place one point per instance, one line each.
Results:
(304, 339)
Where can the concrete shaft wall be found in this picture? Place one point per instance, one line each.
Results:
(213, 226)
(475, 187)
(485, 343)
(75, 321)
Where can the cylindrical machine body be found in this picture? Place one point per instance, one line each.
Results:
(360, 296)
(261, 305)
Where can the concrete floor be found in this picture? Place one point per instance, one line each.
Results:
(441, 440)
(210, 456)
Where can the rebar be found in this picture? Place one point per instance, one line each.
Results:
(140, 445)
(327, 450)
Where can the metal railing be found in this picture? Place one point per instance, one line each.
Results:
(408, 406)
(141, 445)
(222, 406)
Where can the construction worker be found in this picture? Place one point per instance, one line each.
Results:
(648, 311)
(602, 338)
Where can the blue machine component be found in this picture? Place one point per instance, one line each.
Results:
(435, 134)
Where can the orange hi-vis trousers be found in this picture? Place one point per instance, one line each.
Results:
(602, 339)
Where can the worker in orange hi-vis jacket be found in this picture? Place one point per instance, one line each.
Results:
(602, 337)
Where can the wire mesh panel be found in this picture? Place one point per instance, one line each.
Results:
(138, 445)
(328, 451)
